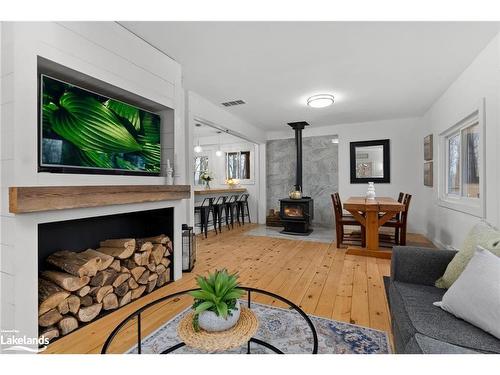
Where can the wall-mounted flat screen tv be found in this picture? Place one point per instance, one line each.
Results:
(85, 132)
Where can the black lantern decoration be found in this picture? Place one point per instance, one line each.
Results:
(188, 248)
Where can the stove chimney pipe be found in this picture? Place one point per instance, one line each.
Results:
(298, 126)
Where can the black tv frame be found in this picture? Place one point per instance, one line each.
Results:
(79, 170)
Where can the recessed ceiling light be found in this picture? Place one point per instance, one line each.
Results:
(320, 100)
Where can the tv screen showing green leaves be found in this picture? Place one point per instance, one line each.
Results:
(85, 132)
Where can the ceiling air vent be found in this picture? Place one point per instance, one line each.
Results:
(233, 103)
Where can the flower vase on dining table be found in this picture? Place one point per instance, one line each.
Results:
(370, 193)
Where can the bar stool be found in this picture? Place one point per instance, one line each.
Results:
(204, 210)
(242, 207)
(232, 209)
(220, 208)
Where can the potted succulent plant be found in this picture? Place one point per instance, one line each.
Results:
(216, 306)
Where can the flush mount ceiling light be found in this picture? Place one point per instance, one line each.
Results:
(320, 100)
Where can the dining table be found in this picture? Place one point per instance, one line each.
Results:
(372, 213)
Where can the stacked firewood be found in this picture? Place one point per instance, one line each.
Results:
(82, 285)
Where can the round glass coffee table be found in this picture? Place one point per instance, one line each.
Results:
(250, 293)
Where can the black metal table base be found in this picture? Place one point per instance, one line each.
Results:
(137, 314)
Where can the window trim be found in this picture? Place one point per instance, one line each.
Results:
(251, 166)
(470, 206)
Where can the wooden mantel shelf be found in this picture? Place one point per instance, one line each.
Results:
(23, 199)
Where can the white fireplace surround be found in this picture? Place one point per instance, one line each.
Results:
(111, 54)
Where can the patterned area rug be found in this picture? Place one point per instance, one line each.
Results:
(287, 331)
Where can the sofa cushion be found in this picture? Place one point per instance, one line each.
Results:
(475, 296)
(413, 311)
(421, 344)
(482, 234)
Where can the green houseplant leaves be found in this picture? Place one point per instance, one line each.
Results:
(218, 293)
(104, 133)
(89, 125)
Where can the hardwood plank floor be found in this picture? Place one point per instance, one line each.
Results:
(319, 277)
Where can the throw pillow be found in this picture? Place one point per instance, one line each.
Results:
(475, 296)
(482, 234)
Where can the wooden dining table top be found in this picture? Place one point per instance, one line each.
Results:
(381, 204)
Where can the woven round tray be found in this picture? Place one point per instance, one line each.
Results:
(219, 341)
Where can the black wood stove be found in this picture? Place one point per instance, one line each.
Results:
(296, 214)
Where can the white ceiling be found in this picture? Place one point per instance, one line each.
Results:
(376, 70)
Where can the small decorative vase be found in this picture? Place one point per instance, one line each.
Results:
(370, 193)
(170, 178)
(209, 321)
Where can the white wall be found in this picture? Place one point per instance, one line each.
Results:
(404, 166)
(480, 80)
(103, 50)
(200, 108)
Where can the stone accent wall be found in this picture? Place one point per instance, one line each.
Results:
(320, 173)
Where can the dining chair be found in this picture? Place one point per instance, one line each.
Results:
(342, 220)
(400, 221)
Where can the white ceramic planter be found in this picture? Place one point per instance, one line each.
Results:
(209, 321)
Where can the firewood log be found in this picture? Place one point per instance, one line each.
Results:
(115, 265)
(49, 296)
(163, 278)
(160, 269)
(124, 270)
(141, 245)
(157, 253)
(117, 252)
(122, 289)
(86, 301)
(118, 242)
(120, 279)
(125, 299)
(67, 324)
(137, 272)
(165, 262)
(160, 239)
(136, 293)
(105, 277)
(99, 292)
(86, 314)
(129, 263)
(50, 318)
(65, 280)
(50, 333)
(169, 245)
(83, 291)
(142, 258)
(132, 283)
(110, 302)
(144, 277)
(77, 264)
(151, 266)
(70, 304)
(106, 259)
(152, 282)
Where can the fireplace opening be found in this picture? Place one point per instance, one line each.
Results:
(93, 266)
(293, 211)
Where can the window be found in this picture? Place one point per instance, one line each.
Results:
(461, 186)
(238, 165)
(200, 165)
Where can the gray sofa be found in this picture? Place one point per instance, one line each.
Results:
(418, 326)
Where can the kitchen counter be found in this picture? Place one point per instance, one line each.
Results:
(219, 191)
